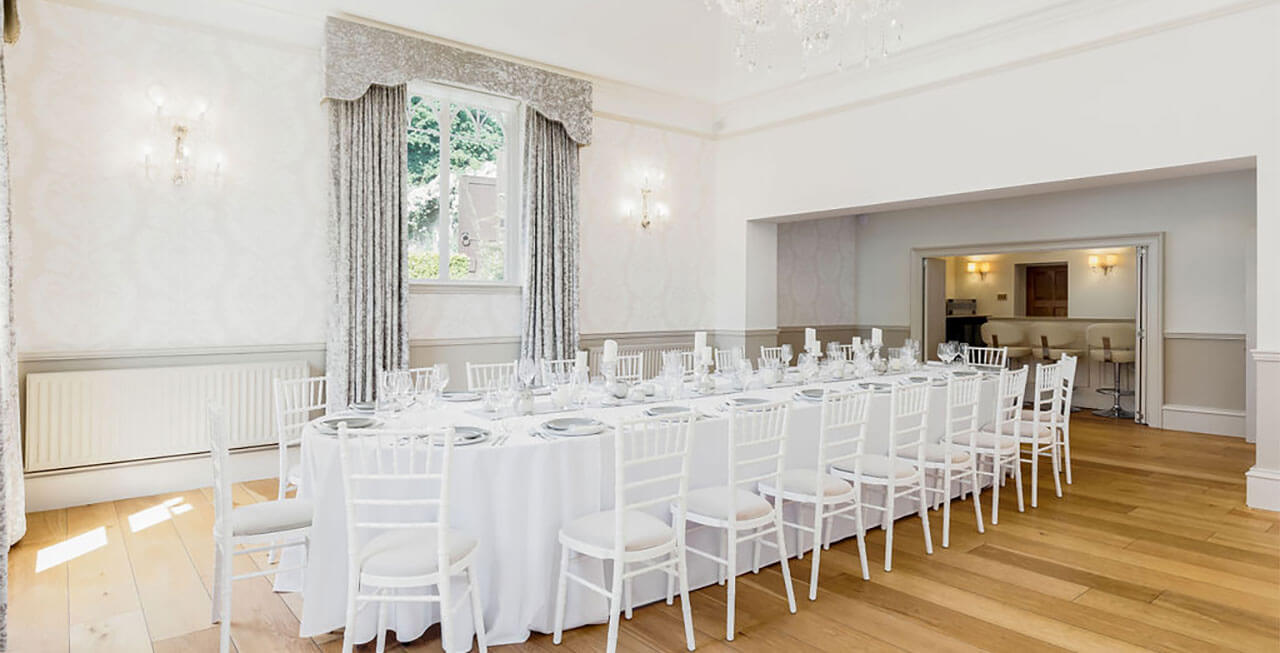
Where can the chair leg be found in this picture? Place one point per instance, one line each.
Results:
(626, 593)
(826, 540)
(732, 580)
(1017, 482)
(724, 555)
(349, 630)
(860, 528)
(755, 554)
(782, 560)
(946, 510)
(381, 646)
(1066, 450)
(671, 582)
(615, 605)
(977, 496)
(682, 568)
(224, 632)
(445, 590)
(215, 606)
(924, 519)
(997, 479)
(888, 527)
(1057, 472)
(561, 588)
(477, 612)
(1035, 473)
(817, 550)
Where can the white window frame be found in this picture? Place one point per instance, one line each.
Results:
(510, 174)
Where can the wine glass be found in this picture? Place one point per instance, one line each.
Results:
(441, 373)
(528, 371)
(787, 353)
(962, 353)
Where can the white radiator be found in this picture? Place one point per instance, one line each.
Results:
(75, 419)
(652, 355)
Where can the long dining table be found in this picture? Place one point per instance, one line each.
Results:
(514, 498)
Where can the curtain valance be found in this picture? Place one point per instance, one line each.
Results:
(358, 55)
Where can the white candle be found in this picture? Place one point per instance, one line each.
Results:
(699, 340)
(810, 339)
(706, 355)
(877, 337)
(857, 341)
(580, 362)
(610, 351)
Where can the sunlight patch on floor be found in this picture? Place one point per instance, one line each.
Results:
(70, 548)
(148, 517)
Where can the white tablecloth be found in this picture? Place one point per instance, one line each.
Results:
(515, 498)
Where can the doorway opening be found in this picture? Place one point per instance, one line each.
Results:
(1092, 299)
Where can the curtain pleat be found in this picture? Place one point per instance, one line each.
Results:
(13, 515)
(367, 213)
(550, 329)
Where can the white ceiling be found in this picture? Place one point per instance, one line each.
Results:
(674, 46)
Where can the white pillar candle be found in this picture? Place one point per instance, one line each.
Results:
(810, 339)
(877, 337)
(580, 362)
(610, 351)
(706, 355)
(699, 340)
(857, 341)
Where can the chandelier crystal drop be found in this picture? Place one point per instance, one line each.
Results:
(866, 30)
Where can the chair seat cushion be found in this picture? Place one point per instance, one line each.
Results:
(714, 502)
(988, 442)
(1019, 352)
(877, 466)
(411, 551)
(1117, 355)
(271, 517)
(643, 530)
(937, 453)
(805, 481)
(1024, 432)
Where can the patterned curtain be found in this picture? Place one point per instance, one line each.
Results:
(368, 156)
(13, 514)
(551, 280)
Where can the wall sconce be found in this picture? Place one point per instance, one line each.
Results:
(1106, 263)
(650, 210)
(181, 128)
(981, 268)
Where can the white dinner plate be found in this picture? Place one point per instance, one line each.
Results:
(365, 407)
(572, 426)
(463, 436)
(666, 411)
(460, 395)
(876, 386)
(811, 394)
(746, 402)
(331, 423)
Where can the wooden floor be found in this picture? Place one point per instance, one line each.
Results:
(1151, 548)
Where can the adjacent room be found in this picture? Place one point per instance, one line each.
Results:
(582, 325)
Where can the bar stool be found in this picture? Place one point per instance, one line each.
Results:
(1113, 344)
(1050, 341)
(1006, 334)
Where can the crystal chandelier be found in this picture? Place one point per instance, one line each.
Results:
(822, 25)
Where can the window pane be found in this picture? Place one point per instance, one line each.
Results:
(424, 188)
(477, 234)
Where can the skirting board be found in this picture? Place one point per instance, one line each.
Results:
(1263, 488)
(1202, 419)
(78, 487)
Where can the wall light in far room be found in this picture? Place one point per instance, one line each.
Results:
(172, 152)
(1104, 263)
(981, 268)
(650, 210)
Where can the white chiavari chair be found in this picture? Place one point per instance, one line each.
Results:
(396, 486)
(651, 468)
(297, 402)
(840, 442)
(490, 376)
(991, 441)
(900, 475)
(688, 362)
(1069, 364)
(771, 353)
(560, 368)
(990, 358)
(847, 351)
(955, 459)
(631, 367)
(756, 451)
(263, 526)
(1039, 435)
(727, 359)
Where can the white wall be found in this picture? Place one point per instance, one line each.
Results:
(1207, 220)
(816, 271)
(1090, 293)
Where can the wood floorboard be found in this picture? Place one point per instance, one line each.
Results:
(1151, 548)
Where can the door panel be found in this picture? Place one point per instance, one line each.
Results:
(1047, 290)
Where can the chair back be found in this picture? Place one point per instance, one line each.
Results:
(298, 401)
(651, 467)
(757, 447)
(842, 432)
(558, 368)
(726, 359)
(631, 367)
(847, 351)
(909, 420)
(216, 423)
(998, 333)
(1010, 391)
(490, 376)
(962, 411)
(1110, 337)
(395, 479)
(1050, 336)
(992, 358)
(1068, 363)
(771, 353)
(1046, 397)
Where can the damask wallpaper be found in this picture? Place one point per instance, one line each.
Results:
(810, 294)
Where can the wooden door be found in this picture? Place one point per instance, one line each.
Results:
(935, 304)
(1047, 290)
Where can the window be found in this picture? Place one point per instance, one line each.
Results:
(463, 146)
